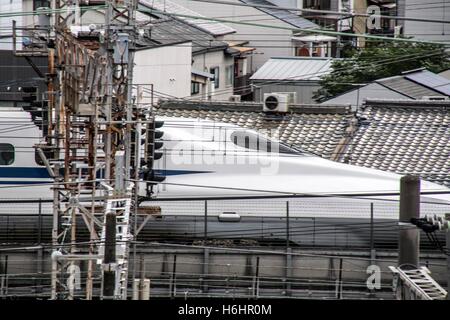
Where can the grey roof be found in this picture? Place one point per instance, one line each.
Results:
(283, 15)
(403, 137)
(212, 27)
(402, 84)
(171, 31)
(293, 68)
(445, 74)
(407, 87)
(202, 74)
(431, 80)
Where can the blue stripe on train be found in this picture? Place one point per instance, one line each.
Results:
(14, 182)
(23, 172)
(40, 172)
(178, 172)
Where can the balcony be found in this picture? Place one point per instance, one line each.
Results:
(242, 85)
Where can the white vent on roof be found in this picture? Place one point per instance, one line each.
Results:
(435, 98)
(278, 101)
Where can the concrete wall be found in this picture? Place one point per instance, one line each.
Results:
(305, 90)
(312, 274)
(207, 60)
(269, 42)
(357, 96)
(167, 68)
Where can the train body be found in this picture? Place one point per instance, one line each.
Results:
(246, 183)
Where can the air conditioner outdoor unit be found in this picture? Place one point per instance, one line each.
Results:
(235, 98)
(435, 98)
(278, 101)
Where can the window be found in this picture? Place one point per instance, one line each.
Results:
(215, 72)
(229, 74)
(6, 154)
(253, 141)
(41, 4)
(195, 87)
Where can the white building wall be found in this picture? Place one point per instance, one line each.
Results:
(167, 68)
(7, 6)
(10, 6)
(269, 42)
(208, 60)
(426, 9)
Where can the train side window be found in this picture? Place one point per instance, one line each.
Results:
(6, 154)
(254, 141)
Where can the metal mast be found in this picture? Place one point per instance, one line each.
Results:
(88, 145)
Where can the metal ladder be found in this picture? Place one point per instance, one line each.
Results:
(420, 283)
(121, 207)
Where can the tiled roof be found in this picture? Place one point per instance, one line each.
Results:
(318, 133)
(403, 137)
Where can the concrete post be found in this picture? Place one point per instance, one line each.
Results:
(408, 242)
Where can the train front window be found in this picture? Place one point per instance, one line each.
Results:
(253, 141)
(6, 154)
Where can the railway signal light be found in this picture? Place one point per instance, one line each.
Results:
(152, 137)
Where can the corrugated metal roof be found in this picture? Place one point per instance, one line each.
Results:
(212, 27)
(284, 15)
(407, 87)
(431, 80)
(293, 68)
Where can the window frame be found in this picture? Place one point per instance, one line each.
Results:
(253, 141)
(195, 84)
(35, 3)
(13, 151)
(229, 75)
(213, 70)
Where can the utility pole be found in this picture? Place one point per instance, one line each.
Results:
(412, 282)
(89, 97)
(408, 242)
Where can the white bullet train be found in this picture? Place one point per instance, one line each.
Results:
(245, 181)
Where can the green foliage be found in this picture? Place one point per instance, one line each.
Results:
(379, 60)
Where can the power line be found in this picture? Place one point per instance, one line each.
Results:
(365, 65)
(346, 14)
(317, 31)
